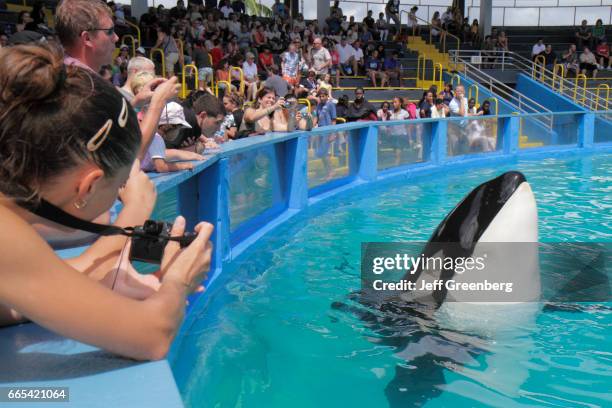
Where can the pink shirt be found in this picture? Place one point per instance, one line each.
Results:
(68, 60)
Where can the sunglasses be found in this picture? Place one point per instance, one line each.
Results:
(108, 31)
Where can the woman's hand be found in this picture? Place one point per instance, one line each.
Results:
(280, 103)
(187, 266)
(139, 191)
(146, 93)
(166, 90)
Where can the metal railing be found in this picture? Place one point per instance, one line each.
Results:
(529, 8)
(443, 43)
(508, 60)
(516, 100)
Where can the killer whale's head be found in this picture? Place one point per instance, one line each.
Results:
(500, 210)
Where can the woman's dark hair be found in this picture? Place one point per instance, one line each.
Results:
(20, 17)
(261, 93)
(49, 114)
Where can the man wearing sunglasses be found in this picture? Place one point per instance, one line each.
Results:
(85, 29)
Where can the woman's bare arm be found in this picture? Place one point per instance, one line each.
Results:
(51, 293)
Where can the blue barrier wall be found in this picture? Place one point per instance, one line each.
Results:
(249, 188)
(545, 96)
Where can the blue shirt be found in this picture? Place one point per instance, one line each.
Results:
(326, 113)
(390, 63)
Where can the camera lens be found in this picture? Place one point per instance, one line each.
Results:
(153, 227)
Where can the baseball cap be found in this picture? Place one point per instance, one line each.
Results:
(124, 47)
(173, 114)
(141, 50)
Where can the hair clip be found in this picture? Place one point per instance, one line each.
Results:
(99, 138)
(123, 116)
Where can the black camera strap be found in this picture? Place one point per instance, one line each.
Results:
(50, 212)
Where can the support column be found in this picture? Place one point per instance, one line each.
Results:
(486, 16)
(293, 7)
(323, 7)
(139, 7)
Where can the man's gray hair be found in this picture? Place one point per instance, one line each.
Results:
(138, 64)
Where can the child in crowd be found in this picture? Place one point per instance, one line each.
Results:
(158, 158)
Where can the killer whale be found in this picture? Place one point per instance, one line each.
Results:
(500, 210)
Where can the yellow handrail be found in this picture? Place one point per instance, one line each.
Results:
(340, 120)
(440, 80)
(453, 80)
(601, 87)
(441, 31)
(542, 65)
(307, 103)
(559, 67)
(163, 59)
(137, 31)
(241, 77)
(229, 87)
(584, 78)
(494, 99)
(420, 57)
(133, 42)
(475, 87)
(195, 71)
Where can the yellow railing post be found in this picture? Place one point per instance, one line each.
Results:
(475, 88)
(137, 31)
(561, 68)
(184, 87)
(601, 87)
(440, 79)
(453, 80)
(494, 99)
(420, 57)
(133, 43)
(163, 58)
(541, 61)
(307, 103)
(239, 70)
(584, 79)
(229, 87)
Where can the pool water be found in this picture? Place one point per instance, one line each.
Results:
(266, 335)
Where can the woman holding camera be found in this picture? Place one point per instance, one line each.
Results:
(268, 114)
(69, 138)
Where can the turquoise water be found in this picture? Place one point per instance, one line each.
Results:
(266, 335)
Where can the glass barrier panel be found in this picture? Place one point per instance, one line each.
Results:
(536, 131)
(603, 128)
(399, 145)
(328, 157)
(472, 135)
(255, 184)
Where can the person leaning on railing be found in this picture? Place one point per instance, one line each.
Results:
(82, 169)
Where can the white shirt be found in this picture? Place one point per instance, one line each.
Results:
(319, 58)
(234, 27)
(226, 10)
(345, 52)
(358, 53)
(538, 48)
(249, 70)
(454, 107)
(435, 113)
(401, 115)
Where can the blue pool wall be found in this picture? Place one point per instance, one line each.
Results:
(32, 356)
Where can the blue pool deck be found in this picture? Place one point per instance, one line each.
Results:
(33, 356)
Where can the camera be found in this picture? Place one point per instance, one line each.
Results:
(149, 241)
